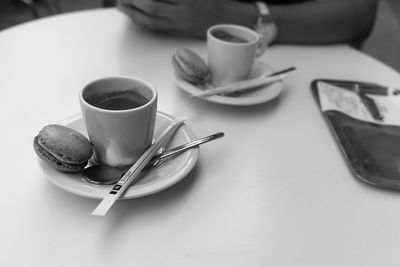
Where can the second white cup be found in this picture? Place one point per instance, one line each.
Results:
(232, 50)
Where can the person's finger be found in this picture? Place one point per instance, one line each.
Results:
(126, 9)
(146, 20)
(154, 8)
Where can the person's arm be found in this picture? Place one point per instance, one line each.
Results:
(188, 17)
(311, 22)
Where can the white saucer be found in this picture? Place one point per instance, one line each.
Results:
(248, 98)
(155, 179)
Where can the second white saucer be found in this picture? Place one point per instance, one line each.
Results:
(248, 98)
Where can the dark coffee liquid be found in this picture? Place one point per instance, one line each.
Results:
(228, 37)
(118, 100)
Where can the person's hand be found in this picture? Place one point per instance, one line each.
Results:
(181, 17)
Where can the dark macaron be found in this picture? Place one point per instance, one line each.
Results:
(190, 67)
(64, 148)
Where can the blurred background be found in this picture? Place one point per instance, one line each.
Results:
(383, 44)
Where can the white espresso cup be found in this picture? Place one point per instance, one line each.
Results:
(232, 50)
(119, 114)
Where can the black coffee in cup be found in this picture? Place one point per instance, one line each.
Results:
(228, 37)
(118, 100)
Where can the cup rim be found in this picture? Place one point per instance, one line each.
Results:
(233, 26)
(108, 111)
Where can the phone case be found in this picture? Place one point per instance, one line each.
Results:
(371, 150)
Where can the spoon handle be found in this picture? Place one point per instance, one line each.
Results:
(187, 146)
(132, 174)
(280, 72)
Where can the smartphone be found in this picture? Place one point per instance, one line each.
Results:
(371, 150)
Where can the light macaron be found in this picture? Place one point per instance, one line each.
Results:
(63, 148)
(190, 67)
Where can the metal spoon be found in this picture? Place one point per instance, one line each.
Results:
(106, 175)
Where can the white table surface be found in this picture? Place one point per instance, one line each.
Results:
(275, 191)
